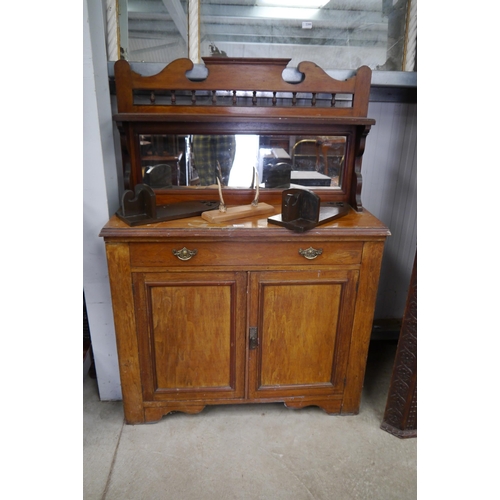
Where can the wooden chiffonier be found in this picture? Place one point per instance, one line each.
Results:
(247, 318)
(244, 311)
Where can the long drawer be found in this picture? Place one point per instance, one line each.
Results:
(161, 254)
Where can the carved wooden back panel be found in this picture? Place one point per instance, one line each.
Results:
(245, 96)
(234, 83)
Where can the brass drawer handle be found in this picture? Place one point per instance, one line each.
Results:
(184, 253)
(311, 253)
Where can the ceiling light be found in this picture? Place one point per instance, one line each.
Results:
(310, 4)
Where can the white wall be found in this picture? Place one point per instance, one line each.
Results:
(100, 198)
(390, 193)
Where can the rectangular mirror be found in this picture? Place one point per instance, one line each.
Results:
(281, 161)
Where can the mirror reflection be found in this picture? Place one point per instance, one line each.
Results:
(281, 162)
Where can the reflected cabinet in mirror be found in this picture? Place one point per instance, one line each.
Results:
(281, 161)
(254, 127)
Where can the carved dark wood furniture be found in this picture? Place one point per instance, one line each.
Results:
(244, 311)
(400, 417)
(245, 96)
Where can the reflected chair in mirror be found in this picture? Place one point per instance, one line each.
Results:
(304, 155)
(308, 158)
(323, 155)
(332, 163)
(305, 165)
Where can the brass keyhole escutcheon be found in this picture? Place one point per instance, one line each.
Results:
(254, 337)
(184, 253)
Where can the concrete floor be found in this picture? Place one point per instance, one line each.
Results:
(251, 451)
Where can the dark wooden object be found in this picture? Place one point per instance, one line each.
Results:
(301, 211)
(248, 96)
(139, 207)
(400, 417)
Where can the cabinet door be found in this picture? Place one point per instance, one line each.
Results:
(304, 321)
(191, 334)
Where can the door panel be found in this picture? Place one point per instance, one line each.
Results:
(291, 354)
(192, 345)
(304, 322)
(191, 348)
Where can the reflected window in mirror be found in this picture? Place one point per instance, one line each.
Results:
(378, 33)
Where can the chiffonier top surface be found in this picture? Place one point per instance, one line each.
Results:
(354, 225)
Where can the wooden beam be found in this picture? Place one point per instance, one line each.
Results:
(178, 15)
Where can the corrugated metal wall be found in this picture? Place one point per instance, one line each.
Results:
(390, 193)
